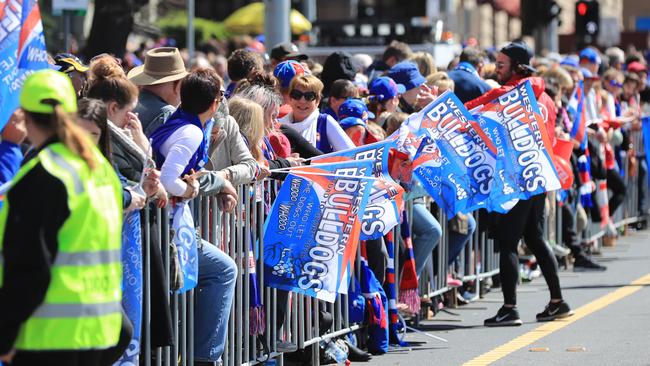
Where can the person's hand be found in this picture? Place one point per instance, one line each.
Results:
(263, 172)
(162, 197)
(192, 189)
(296, 161)
(226, 202)
(426, 95)
(7, 357)
(228, 188)
(137, 201)
(15, 131)
(134, 125)
(151, 182)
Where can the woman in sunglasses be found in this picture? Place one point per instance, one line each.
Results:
(320, 129)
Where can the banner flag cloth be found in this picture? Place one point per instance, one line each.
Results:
(312, 232)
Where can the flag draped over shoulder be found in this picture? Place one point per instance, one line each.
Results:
(22, 50)
(312, 233)
(386, 196)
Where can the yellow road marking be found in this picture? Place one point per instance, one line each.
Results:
(548, 328)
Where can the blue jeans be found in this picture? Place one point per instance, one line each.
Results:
(214, 296)
(426, 234)
(457, 241)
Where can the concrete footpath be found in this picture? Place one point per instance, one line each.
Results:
(611, 326)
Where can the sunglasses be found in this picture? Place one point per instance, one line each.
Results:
(615, 84)
(309, 96)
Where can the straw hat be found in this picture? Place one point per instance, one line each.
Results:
(161, 65)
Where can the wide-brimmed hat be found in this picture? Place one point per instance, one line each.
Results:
(161, 65)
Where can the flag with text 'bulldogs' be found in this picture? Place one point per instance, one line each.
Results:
(312, 232)
(385, 200)
(22, 50)
(515, 125)
(465, 145)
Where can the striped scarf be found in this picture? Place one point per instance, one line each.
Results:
(408, 284)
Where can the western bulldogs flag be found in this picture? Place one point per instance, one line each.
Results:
(386, 196)
(526, 146)
(577, 110)
(22, 50)
(450, 125)
(312, 232)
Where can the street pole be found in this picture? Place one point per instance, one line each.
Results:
(190, 30)
(309, 11)
(554, 39)
(276, 22)
(66, 30)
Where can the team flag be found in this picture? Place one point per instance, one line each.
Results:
(577, 110)
(312, 233)
(386, 196)
(22, 50)
(513, 121)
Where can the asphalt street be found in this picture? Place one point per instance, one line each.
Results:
(611, 326)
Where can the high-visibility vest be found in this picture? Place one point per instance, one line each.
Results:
(82, 305)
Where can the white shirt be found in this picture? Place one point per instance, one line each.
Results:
(308, 129)
(178, 150)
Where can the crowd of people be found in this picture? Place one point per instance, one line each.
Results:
(171, 129)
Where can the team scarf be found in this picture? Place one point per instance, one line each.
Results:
(584, 172)
(576, 108)
(390, 290)
(602, 200)
(257, 315)
(408, 284)
(376, 305)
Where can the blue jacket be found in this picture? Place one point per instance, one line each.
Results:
(468, 85)
(10, 159)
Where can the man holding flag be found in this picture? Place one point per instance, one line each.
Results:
(526, 218)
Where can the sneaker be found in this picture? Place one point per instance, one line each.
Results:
(559, 250)
(453, 282)
(557, 310)
(506, 317)
(584, 264)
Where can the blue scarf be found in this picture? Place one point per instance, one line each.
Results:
(177, 120)
(467, 67)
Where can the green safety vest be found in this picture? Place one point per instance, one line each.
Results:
(82, 305)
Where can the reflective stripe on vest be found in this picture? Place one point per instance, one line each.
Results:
(81, 308)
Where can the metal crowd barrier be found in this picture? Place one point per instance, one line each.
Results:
(235, 232)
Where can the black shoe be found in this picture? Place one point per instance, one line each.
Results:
(583, 264)
(554, 311)
(356, 354)
(506, 317)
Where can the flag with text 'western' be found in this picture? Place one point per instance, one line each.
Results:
(312, 232)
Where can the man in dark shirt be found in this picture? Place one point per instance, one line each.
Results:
(468, 83)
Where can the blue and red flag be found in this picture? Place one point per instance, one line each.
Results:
(22, 50)
(514, 123)
(312, 233)
(576, 108)
(386, 196)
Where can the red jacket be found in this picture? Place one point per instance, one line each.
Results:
(546, 104)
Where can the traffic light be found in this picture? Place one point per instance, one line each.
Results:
(537, 13)
(587, 22)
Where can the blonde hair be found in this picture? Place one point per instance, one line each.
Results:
(441, 80)
(307, 82)
(425, 62)
(250, 118)
(394, 121)
(561, 75)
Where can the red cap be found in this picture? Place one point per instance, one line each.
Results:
(636, 66)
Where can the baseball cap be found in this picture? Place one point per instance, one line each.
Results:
(569, 62)
(69, 63)
(590, 55)
(407, 74)
(355, 108)
(44, 89)
(636, 66)
(287, 51)
(383, 88)
(285, 71)
(519, 54)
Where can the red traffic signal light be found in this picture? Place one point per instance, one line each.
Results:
(582, 9)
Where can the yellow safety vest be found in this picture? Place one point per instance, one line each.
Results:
(82, 306)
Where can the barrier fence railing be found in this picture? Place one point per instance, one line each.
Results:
(293, 320)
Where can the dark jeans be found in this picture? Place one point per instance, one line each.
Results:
(617, 186)
(525, 219)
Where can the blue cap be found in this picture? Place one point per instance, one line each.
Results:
(590, 55)
(351, 121)
(586, 74)
(569, 61)
(407, 74)
(354, 108)
(384, 88)
(285, 71)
